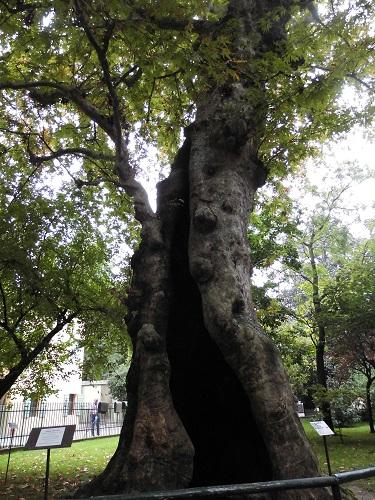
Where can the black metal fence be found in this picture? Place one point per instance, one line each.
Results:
(226, 491)
(22, 417)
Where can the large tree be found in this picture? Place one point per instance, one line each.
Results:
(209, 401)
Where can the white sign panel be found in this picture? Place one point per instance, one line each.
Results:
(322, 428)
(300, 409)
(51, 436)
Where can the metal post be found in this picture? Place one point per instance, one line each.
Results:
(22, 426)
(88, 423)
(10, 449)
(47, 474)
(327, 456)
(336, 492)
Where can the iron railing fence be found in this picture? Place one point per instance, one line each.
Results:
(25, 416)
(226, 491)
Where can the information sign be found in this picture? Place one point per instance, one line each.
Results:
(322, 428)
(50, 437)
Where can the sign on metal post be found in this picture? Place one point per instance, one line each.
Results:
(50, 437)
(323, 430)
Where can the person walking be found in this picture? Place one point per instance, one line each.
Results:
(95, 418)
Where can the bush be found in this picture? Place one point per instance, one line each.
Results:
(117, 383)
(344, 415)
(346, 405)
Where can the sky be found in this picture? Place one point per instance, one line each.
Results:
(351, 156)
(352, 153)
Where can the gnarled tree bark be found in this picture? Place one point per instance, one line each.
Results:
(209, 401)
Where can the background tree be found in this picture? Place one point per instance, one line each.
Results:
(319, 245)
(117, 378)
(325, 217)
(56, 289)
(99, 78)
(351, 301)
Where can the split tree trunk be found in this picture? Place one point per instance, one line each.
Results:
(209, 401)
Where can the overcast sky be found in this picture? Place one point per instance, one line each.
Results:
(349, 157)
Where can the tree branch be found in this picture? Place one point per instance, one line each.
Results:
(311, 7)
(17, 341)
(150, 99)
(143, 211)
(130, 77)
(306, 278)
(22, 316)
(37, 160)
(21, 6)
(107, 35)
(71, 93)
(199, 26)
(359, 80)
(5, 308)
(161, 77)
(10, 378)
(348, 75)
(47, 339)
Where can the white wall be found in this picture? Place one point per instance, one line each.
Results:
(96, 389)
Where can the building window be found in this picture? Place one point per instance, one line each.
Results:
(31, 407)
(72, 403)
(34, 406)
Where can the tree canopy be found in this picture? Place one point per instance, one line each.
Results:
(88, 65)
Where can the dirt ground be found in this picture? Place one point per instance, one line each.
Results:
(362, 494)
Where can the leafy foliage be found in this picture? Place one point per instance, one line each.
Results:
(297, 352)
(160, 59)
(345, 400)
(56, 289)
(273, 230)
(350, 300)
(117, 378)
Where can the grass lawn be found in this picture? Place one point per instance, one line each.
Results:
(68, 468)
(85, 459)
(356, 451)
